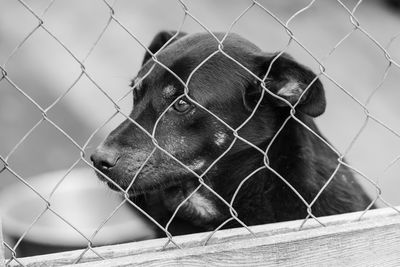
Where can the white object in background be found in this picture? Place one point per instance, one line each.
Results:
(81, 200)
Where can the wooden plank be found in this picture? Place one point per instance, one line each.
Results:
(2, 258)
(197, 240)
(363, 243)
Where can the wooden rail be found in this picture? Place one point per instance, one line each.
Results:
(372, 241)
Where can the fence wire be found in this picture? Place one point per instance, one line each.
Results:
(188, 14)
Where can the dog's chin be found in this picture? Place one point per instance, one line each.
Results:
(138, 189)
(113, 187)
(171, 187)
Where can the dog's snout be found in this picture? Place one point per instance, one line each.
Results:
(104, 158)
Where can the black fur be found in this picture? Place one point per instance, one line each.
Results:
(197, 138)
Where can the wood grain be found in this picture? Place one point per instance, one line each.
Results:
(345, 240)
(364, 243)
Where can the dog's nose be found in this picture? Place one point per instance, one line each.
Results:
(104, 158)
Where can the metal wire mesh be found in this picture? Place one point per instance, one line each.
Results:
(114, 20)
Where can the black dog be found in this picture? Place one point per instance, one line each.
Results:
(196, 138)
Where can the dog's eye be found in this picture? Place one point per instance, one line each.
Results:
(182, 105)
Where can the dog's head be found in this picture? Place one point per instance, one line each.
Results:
(190, 99)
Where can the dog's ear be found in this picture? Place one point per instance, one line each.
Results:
(289, 79)
(159, 40)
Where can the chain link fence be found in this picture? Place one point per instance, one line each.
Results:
(83, 72)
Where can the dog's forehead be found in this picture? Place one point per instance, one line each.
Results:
(202, 45)
(187, 62)
(198, 47)
(215, 80)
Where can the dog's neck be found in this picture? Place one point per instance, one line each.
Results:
(290, 156)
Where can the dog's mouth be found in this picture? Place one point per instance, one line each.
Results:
(148, 184)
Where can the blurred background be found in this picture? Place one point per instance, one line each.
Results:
(44, 70)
